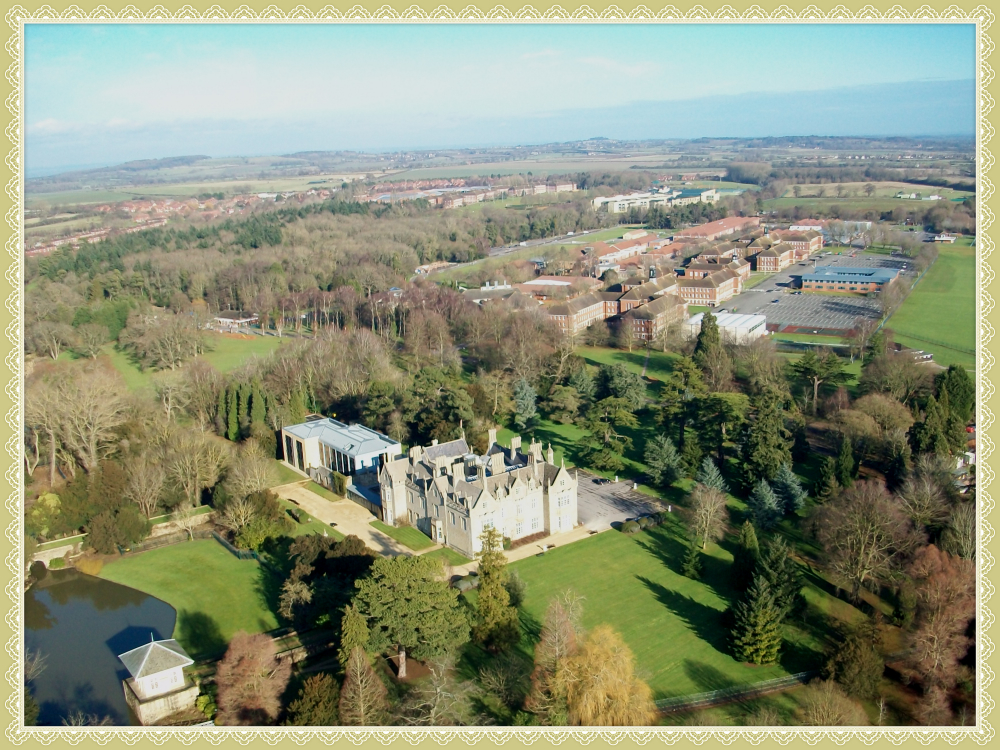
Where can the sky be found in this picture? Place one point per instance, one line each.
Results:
(106, 93)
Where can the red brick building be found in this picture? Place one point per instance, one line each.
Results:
(721, 228)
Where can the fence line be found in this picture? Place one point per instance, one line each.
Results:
(935, 342)
(737, 692)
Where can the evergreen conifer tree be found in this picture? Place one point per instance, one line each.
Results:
(710, 476)
(663, 460)
(789, 490)
(258, 410)
(691, 567)
(584, 384)
(353, 633)
(764, 447)
(757, 632)
(827, 484)
(745, 558)
(931, 435)
(498, 627)
(764, 506)
(691, 457)
(525, 403)
(243, 403)
(844, 469)
(232, 419)
(782, 575)
(708, 338)
(296, 408)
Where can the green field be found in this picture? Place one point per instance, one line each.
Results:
(285, 475)
(660, 363)
(215, 593)
(226, 353)
(670, 622)
(408, 536)
(939, 316)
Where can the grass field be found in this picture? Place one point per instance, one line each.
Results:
(227, 353)
(215, 594)
(660, 363)
(408, 536)
(670, 622)
(285, 475)
(939, 316)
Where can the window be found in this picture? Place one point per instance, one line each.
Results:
(534, 503)
(465, 524)
(534, 524)
(452, 514)
(518, 529)
(437, 511)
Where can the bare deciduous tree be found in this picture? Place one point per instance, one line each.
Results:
(250, 680)
(363, 701)
(172, 391)
(708, 514)
(823, 704)
(441, 699)
(250, 471)
(145, 483)
(93, 407)
(863, 535)
(195, 461)
(90, 339)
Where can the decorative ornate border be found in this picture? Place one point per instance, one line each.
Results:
(17, 15)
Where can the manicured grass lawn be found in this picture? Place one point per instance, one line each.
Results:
(939, 316)
(755, 279)
(323, 492)
(695, 309)
(285, 475)
(312, 526)
(215, 593)
(405, 535)
(671, 623)
(450, 556)
(809, 338)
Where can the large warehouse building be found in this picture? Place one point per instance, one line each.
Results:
(733, 327)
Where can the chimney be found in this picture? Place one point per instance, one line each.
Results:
(481, 472)
(515, 444)
(496, 463)
(550, 455)
(434, 441)
(491, 438)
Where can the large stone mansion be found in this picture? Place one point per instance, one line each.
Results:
(452, 495)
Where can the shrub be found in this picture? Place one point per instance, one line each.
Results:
(57, 564)
(631, 527)
(506, 542)
(38, 571)
(646, 522)
(516, 588)
(339, 484)
(91, 565)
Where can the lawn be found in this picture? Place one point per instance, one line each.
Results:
(323, 492)
(226, 353)
(408, 536)
(939, 316)
(449, 556)
(285, 475)
(660, 363)
(671, 623)
(312, 526)
(215, 593)
(754, 280)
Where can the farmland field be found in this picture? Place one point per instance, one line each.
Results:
(939, 316)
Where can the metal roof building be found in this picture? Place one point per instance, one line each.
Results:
(733, 326)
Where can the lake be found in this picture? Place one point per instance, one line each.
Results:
(80, 624)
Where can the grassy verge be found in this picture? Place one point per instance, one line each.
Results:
(405, 535)
(285, 475)
(449, 556)
(323, 492)
(215, 594)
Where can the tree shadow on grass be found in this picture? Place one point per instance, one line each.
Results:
(200, 635)
(704, 621)
(667, 543)
(268, 588)
(707, 677)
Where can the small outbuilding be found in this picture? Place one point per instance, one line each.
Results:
(158, 686)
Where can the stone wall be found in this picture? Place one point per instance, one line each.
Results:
(153, 710)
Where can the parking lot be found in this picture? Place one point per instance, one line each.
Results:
(599, 505)
(833, 311)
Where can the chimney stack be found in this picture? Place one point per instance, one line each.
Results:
(515, 444)
(491, 438)
(550, 455)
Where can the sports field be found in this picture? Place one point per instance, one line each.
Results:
(939, 316)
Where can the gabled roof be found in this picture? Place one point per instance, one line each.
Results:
(575, 305)
(155, 657)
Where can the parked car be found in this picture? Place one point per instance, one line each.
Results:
(775, 301)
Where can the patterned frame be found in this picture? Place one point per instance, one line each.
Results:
(17, 15)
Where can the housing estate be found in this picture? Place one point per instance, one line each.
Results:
(713, 230)
(847, 279)
(452, 495)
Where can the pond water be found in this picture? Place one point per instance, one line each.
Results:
(80, 624)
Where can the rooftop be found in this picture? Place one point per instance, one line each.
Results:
(848, 273)
(155, 657)
(351, 440)
(730, 320)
